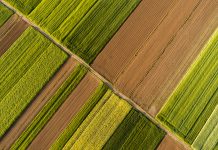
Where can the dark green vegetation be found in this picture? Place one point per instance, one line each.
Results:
(5, 14)
(195, 98)
(25, 68)
(50, 108)
(135, 132)
(84, 26)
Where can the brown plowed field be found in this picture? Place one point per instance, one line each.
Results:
(123, 47)
(164, 56)
(37, 104)
(169, 143)
(10, 31)
(65, 113)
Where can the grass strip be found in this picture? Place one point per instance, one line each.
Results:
(31, 80)
(135, 132)
(97, 129)
(194, 99)
(5, 14)
(101, 94)
(208, 137)
(50, 108)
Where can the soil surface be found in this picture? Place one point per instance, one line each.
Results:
(31, 111)
(169, 143)
(65, 113)
(152, 68)
(10, 31)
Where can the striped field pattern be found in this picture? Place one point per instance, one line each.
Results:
(24, 69)
(195, 98)
(208, 137)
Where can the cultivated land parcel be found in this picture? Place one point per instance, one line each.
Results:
(52, 99)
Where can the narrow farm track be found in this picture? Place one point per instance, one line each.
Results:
(10, 31)
(37, 104)
(65, 113)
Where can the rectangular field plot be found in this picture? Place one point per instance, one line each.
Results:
(84, 26)
(195, 98)
(25, 69)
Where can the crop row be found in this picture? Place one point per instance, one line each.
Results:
(25, 68)
(112, 122)
(208, 137)
(5, 14)
(135, 132)
(50, 108)
(84, 26)
(195, 98)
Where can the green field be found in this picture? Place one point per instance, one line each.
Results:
(50, 108)
(208, 137)
(84, 26)
(109, 123)
(101, 92)
(195, 98)
(5, 14)
(25, 69)
(100, 124)
(135, 132)
(24, 6)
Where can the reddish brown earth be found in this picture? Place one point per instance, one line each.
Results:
(10, 31)
(162, 59)
(65, 113)
(37, 104)
(169, 143)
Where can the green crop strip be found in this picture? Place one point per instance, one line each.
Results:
(5, 14)
(24, 6)
(97, 128)
(84, 26)
(208, 137)
(193, 101)
(50, 108)
(24, 70)
(100, 93)
(135, 132)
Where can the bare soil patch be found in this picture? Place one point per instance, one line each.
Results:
(169, 143)
(129, 39)
(148, 71)
(65, 113)
(10, 31)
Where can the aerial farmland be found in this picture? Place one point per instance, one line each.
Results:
(109, 74)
